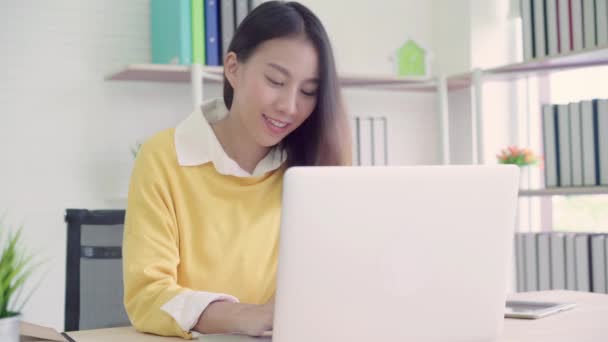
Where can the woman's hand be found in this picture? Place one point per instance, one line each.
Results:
(254, 320)
(228, 317)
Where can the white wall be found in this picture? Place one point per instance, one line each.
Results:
(364, 33)
(451, 36)
(469, 34)
(66, 134)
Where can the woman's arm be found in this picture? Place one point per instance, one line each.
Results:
(150, 246)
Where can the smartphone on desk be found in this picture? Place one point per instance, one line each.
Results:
(266, 337)
(534, 309)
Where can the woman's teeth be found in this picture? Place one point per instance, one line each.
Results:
(275, 122)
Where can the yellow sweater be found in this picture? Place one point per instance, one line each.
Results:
(193, 228)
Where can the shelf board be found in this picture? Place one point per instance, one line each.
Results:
(572, 60)
(181, 73)
(163, 73)
(365, 80)
(564, 191)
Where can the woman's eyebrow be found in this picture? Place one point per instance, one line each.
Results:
(286, 72)
(280, 68)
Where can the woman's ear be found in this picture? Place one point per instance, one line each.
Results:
(230, 68)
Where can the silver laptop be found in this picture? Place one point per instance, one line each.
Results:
(415, 253)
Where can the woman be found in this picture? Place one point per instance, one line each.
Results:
(202, 224)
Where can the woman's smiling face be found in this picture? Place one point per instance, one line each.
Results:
(275, 90)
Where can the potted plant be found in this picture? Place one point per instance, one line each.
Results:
(15, 269)
(135, 149)
(522, 157)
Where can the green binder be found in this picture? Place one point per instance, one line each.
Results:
(198, 32)
(171, 34)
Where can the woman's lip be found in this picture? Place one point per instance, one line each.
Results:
(281, 121)
(274, 129)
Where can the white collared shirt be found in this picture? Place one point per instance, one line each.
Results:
(197, 144)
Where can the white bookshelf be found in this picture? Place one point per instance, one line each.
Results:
(475, 79)
(572, 60)
(537, 67)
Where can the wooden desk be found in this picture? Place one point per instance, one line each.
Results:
(588, 322)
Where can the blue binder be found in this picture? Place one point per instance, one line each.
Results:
(212, 30)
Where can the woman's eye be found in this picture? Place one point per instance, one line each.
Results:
(273, 82)
(309, 93)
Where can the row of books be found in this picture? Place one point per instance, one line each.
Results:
(552, 27)
(370, 141)
(194, 31)
(567, 261)
(575, 139)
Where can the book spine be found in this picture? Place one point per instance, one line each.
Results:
(550, 147)
(602, 145)
(212, 48)
(564, 145)
(227, 19)
(198, 32)
(589, 142)
(576, 144)
(527, 23)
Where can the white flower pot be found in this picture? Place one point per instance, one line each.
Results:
(524, 175)
(9, 329)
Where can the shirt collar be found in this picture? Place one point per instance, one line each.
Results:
(196, 143)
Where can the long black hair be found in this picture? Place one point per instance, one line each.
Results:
(324, 138)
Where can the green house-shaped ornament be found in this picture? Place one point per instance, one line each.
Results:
(412, 60)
